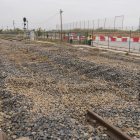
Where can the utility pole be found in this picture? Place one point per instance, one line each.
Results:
(61, 22)
(7, 28)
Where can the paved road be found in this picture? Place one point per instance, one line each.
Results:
(134, 46)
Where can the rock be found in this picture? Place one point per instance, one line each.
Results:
(104, 135)
(14, 136)
(23, 138)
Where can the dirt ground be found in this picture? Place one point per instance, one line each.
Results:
(62, 79)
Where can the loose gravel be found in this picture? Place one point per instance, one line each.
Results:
(45, 90)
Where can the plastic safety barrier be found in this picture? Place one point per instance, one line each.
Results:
(124, 39)
(135, 39)
(94, 37)
(74, 38)
(82, 38)
(113, 39)
(65, 37)
(102, 38)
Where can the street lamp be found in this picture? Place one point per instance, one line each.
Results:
(122, 21)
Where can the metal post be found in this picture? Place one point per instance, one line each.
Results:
(98, 23)
(59, 35)
(93, 24)
(104, 23)
(80, 24)
(92, 38)
(139, 24)
(108, 38)
(80, 38)
(122, 22)
(85, 37)
(129, 40)
(84, 25)
(114, 24)
(61, 22)
(88, 24)
(87, 34)
(68, 37)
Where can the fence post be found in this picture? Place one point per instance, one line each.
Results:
(129, 40)
(59, 35)
(79, 37)
(51, 34)
(85, 38)
(68, 37)
(64, 35)
(92, 38)
(108, 39)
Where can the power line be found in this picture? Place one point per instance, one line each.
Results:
(46, 20)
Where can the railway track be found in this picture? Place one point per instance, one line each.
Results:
(95, 120)
(2, 137)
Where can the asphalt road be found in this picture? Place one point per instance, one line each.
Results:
(134, 46)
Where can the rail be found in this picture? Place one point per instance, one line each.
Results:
(112, 131)
(2, 137)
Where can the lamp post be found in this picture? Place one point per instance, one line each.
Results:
(122, 21)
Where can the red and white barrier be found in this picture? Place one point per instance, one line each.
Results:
(105, 38)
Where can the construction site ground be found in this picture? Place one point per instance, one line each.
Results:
(46, 88)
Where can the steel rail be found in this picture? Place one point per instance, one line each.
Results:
(2, 137)
(115, 133)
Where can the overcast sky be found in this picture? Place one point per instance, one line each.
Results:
(38, 11)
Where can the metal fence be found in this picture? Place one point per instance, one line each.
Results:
(115, 24)
(126, 40)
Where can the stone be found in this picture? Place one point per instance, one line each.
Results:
(104, 135)
(23, 138)
(14, 136)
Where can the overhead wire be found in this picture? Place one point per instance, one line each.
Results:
(46, 20)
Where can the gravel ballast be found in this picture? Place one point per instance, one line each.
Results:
(45, 90)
